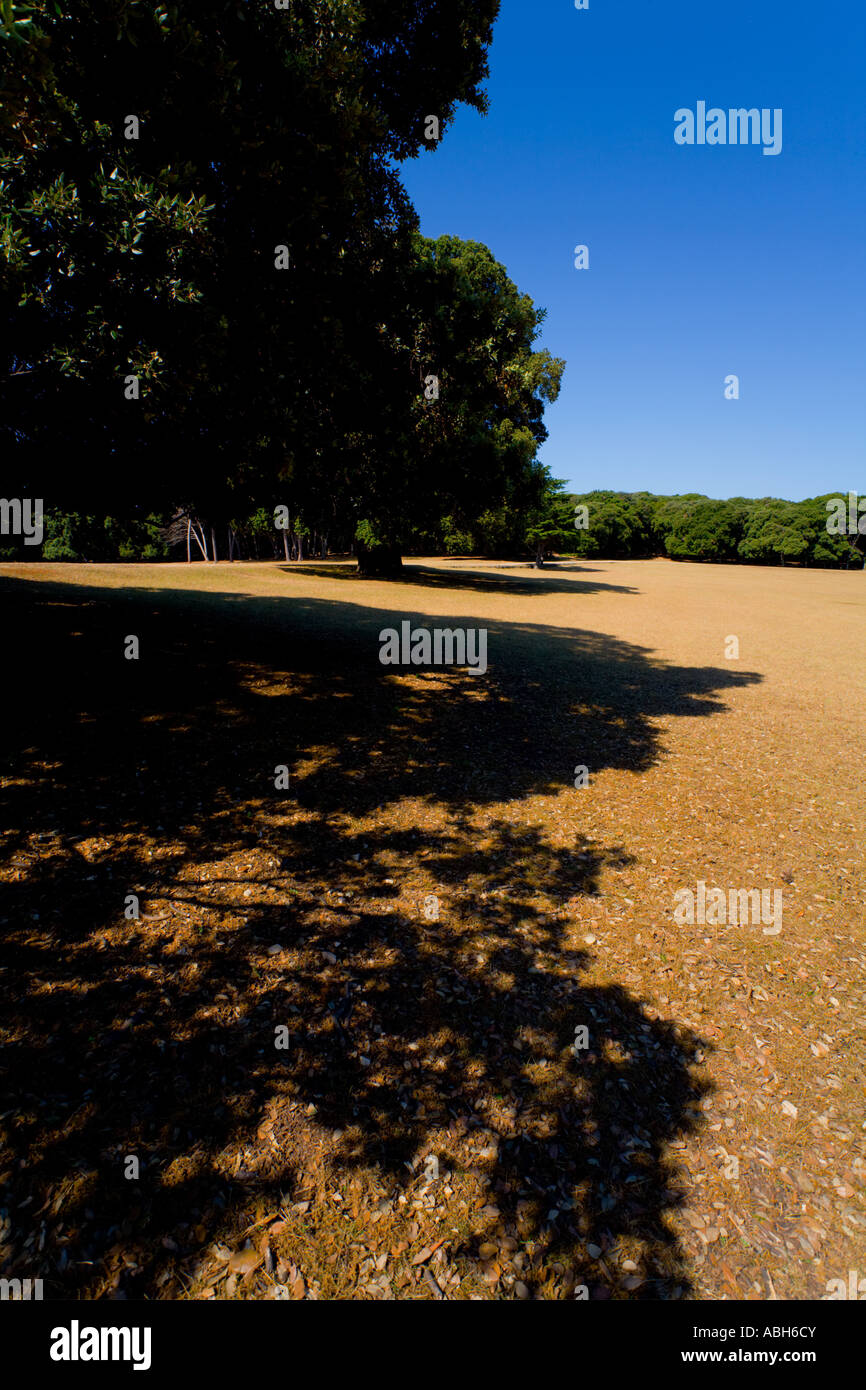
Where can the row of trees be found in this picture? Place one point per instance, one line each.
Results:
(602, 525)
(767, 530)
(161, 536)
(214, 295)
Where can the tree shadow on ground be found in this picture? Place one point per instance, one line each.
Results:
(309, 909)
(483, 581)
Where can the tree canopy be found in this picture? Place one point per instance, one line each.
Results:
(203, 197)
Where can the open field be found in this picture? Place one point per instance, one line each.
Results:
(709, 1139)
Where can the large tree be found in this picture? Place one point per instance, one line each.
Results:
(469, 397)
(147, 247)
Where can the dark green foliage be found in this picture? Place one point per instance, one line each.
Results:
(454, 447)
(619, 526)
(155, 256)
(702, 530)
(73, 536)
(551, 523)
(694, 527)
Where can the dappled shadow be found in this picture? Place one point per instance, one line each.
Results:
(308, 908)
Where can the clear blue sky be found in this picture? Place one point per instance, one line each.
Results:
(704, 261)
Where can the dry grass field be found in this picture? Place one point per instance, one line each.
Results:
(287, 1037)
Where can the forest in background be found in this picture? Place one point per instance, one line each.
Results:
(603, 525)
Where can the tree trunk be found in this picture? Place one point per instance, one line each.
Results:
(188, 529)
(200, 539)
(286, 542)
(378, 561)
(213, 542)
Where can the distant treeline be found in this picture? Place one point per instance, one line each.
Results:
(597, 525)
(754, 531)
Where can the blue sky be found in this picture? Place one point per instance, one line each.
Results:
(704, 260)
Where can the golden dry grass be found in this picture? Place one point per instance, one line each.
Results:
(709, 1142)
